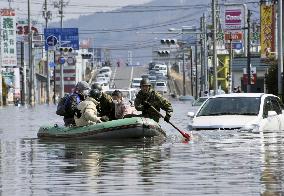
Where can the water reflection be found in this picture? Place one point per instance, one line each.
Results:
(101, 164)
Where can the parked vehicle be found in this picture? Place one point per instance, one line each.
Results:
(106, 70)
(199, 101)
(104, 85)
(136, 82)
(243, 111)
(161, 68)
(161, 86)
(102, 79)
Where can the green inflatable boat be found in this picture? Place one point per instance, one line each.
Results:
(135, 127)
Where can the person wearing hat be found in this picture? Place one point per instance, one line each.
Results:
(87, 110)
(105, 107)
(81, 91)
(148, 97)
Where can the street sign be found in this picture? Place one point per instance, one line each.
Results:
(67, 37)
(61, 60)
(235, 45)
(51, 40)
(234, 36)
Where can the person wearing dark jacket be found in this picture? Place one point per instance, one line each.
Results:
(80, 93)
(148, 97)
(105, 107)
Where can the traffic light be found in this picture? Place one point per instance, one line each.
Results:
(168, 41)
(163, 52)
(86, 56)
(65, 49)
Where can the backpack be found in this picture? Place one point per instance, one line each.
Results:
(61, 107)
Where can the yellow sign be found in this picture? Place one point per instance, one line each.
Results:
(267, 36)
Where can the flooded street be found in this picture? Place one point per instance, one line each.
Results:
(215, 163)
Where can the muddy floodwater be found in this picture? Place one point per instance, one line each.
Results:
(212, 163)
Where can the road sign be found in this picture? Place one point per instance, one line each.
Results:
(61, 60)
(51, 40)
(67, 37)
(234, 36)
(235, 45)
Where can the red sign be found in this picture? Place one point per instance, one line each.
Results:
(233, 19)
(7, 12)
(234, 36)
(252, 79)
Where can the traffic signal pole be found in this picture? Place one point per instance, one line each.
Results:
(61, 64)
(47, 61)
(249, 54)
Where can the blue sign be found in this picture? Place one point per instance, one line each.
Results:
(51, 40)
(61, 60)
(235, 45)
(51, 64)
(67, 37)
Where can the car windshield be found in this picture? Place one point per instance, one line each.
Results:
(199, 101)
(230, 106)
(160, 84)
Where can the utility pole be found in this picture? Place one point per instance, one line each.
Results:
(46, 15)
(280, 49)
(60, 5)
(30, 34)
(196, 71)
(191, 70)
(205, 55)
(230, 65)
(215, 83)
(183, 70)
(249, 54)
(24, 76)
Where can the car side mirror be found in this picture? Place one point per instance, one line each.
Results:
(272, 113)
(190, 114)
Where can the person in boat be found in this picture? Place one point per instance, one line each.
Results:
(87, 110)
(148, 97)
(81, 91)
(105, 107)
(122, 109)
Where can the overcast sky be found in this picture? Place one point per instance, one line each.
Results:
(73, 9)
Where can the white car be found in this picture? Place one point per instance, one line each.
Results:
(136, 82)
(161, 86)
(104, 85)
(243, 111)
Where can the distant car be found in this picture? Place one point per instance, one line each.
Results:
(136, 82)
(152, 72)
(145, 76)
(105, 70)
(104, 85)
(161, 86)
(161, 68)
(253, 112)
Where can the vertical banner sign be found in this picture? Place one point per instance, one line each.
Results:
(8, 37)
(267, 36)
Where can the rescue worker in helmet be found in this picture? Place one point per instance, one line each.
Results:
(105, 107)
(148, 97)
(87, 110)
(81, 91)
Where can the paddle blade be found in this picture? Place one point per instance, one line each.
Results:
(185, 135)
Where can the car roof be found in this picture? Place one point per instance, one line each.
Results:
(242, 95)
